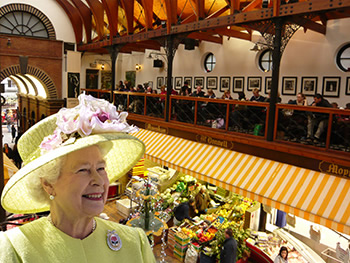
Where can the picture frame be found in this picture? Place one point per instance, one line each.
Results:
(160, 82)
(289, 85)
(198, 81)
(308, 86)
(331, 87)
(212, 83)
(254, 82)
(189, 80)
(92, 78)
(225, 83)
(166, 81)
(178, 83)
(347, 87)
(268, 84)
(73, 85)
(238, 84)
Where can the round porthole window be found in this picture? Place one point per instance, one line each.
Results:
(265, 60)
(343, 58)
(209, 62)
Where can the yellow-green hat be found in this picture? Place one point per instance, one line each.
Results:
(92, 122)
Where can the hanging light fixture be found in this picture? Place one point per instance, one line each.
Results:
(256, 48)
(137, 67)
(103, 66)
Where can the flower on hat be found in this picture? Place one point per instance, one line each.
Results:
(91, 116)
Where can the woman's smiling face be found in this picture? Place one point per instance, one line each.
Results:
(82, 187)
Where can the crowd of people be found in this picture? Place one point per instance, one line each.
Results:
(307, 127)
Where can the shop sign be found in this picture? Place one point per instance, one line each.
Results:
(156, 128)
(213, 141)
(335, 169)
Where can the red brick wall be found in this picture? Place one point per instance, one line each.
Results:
(43, 54)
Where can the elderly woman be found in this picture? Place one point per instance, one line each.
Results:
(70, 158)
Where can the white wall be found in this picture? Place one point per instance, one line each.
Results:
(307, 54)
(55, 13)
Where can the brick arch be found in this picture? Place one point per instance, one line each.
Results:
(32, 10)
(48, 84)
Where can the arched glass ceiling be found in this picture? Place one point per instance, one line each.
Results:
(31, 89)
(20, 85)
(39, 87)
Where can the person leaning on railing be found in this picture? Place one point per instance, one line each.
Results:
(319, 119)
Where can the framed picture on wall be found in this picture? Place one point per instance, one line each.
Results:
(309, 86)
(254, 83)
(92, 79)
(73, 85)
(178, 83)
(238, 84)
(331, 86)
(166, 81)
(189, 81)
(225, 83)
(212, 82)
(160, 82)
(268, 84)
(289, 85)
(347, 88)
(198, 81)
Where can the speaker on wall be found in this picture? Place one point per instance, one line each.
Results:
(157, 63)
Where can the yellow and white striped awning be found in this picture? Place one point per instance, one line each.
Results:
(315, 196)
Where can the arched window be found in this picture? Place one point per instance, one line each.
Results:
(343, 58)
(24, 24)
(265, 60)
(209, 62)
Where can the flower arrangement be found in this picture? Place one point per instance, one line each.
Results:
(91, 116)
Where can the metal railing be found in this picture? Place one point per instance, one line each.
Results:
(295, 125)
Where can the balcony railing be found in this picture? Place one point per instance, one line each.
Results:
(294, 125)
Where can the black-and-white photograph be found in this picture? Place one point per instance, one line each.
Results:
(212, 82)
(347, 88)
(268, 84)
(254, 83)
(199, 81)
(188, 80)
(238, 84)
(309, 86)
(178, 83)
(160, 82)
(331, 87)
(289, 85)
(225, 83)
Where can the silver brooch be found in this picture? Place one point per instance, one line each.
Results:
(113, 240)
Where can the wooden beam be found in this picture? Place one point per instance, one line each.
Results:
(200, 4)
(205, 37)
(98, 12)
(74, 18)
(111, 7)
(148, 9)
(128, 7)
(239, 19)
(235, 6)
(253, 5)
(171, 11)
(85, 14)
(309, 24)
(233, 33)
(276, 7)
(218, 12)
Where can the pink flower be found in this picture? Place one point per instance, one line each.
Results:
(52, 141)
(91, 116)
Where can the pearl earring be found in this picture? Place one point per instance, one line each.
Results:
(52, 197)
